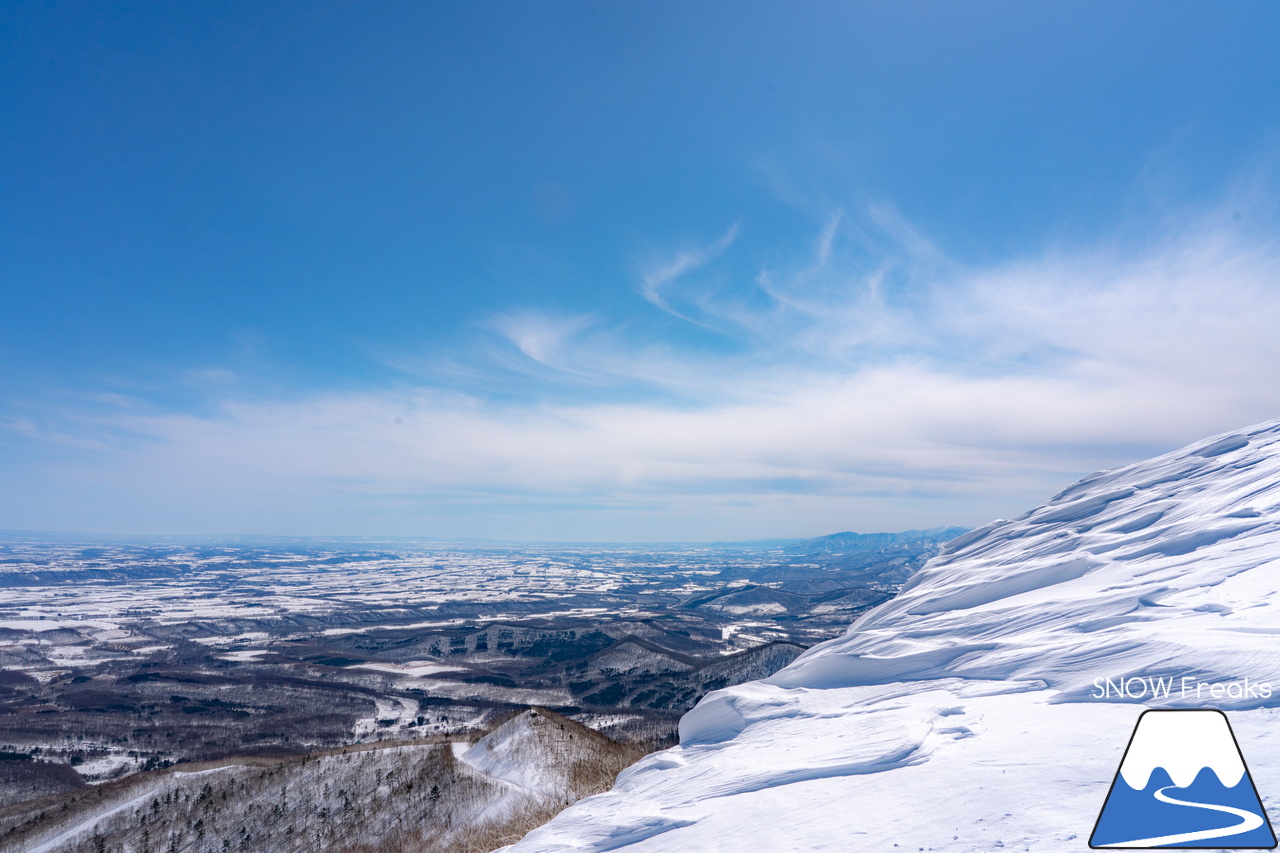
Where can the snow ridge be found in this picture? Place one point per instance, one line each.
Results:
(966, 713)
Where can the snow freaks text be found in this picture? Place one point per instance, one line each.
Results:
(1184, 688)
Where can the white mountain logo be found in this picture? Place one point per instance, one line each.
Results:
(1183, 784)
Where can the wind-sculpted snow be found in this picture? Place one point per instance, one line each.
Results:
(966, 713)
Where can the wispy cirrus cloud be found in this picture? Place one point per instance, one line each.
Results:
(657, 279)
(872, 383)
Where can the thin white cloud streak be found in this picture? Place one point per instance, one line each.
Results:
(550, 341)
(898, 391)
(655, 281)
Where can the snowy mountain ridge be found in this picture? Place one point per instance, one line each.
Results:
(424, 797)
(966, 714)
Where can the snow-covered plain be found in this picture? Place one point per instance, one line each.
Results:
(973, 712)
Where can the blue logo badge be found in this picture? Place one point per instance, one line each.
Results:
(1183, 784)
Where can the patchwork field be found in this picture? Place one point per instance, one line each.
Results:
(120, 657)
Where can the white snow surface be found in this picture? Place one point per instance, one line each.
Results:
(514, 753)
(964, 715)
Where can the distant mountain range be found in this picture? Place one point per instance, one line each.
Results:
(849, 561)
(849, 542)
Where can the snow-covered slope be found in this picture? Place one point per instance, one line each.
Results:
(966, 714)
(544, 754)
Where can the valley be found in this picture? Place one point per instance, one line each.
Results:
(125, 657)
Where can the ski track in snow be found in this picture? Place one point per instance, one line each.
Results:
(932, 721)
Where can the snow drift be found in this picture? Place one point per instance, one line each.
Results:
(973, 712)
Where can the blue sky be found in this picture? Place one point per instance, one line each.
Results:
(637, 271)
